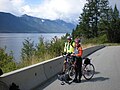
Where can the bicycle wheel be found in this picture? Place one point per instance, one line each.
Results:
(71, 72)
(88, 71)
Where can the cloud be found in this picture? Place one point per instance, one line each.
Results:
(68, 10)
(11, 6)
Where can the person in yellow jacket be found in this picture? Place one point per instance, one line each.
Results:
(68, 49)
(69, 45)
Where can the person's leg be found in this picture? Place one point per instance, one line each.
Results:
(80, 69)
(76, 71)
(76, 74)
(64, 65)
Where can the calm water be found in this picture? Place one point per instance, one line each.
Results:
(13, 41)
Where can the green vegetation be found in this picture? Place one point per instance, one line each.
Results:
(32, 54)
(98, 40)
(6, 62)
(98, 23)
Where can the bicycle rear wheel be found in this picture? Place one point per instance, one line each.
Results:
(88, 71)
(71, 72)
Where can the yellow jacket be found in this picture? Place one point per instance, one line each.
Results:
(69, 47)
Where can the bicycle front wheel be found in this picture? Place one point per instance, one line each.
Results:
(88, 71)
(72, 72)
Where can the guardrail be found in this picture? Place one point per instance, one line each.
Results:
(29, 77)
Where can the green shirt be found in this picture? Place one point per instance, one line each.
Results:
(69, 47)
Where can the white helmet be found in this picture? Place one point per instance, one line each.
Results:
(69, 38)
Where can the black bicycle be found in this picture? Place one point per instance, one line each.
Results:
(88, 69)
(69, 73)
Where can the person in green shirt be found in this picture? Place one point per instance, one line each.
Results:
(68, 49)
(69, 45)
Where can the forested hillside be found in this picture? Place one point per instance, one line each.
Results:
(99, 20)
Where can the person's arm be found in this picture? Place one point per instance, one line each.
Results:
(80, 51)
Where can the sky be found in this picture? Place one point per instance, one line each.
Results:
(67, 10)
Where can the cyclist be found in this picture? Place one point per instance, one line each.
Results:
(78, 60)
(68, 49)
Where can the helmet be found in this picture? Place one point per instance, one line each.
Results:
(69, 38)
(77, 40)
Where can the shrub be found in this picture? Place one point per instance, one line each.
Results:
(98, 40)
(28, 50)
(7, 63)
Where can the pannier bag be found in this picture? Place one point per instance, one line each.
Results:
(87, 61)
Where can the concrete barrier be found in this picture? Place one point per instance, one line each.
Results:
(25, 78)
(53, 66)
(34, 75)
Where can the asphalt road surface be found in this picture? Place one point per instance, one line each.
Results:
(107, 74)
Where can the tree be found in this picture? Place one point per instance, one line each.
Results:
(41, 48)
(28, 50)
(114, 28)
(6, 61)
(93, 12)
(115, 13)
(76, 32)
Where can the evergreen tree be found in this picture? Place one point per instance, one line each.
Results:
(28, 50)
(115, 13)
(93, 12)
(7, 63)
(114, 30)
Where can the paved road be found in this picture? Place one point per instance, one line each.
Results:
(107, 76)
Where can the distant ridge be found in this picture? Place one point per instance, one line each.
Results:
(27, 24)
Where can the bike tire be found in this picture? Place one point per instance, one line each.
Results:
(72, 72)
(88, 71)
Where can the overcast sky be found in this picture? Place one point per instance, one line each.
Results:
(68, 10)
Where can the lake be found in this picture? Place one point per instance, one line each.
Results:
(14, 41)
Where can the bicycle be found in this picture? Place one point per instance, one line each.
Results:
(88, 69)
(69, 72)
(70, 67)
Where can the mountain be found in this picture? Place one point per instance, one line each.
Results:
(28, 24)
